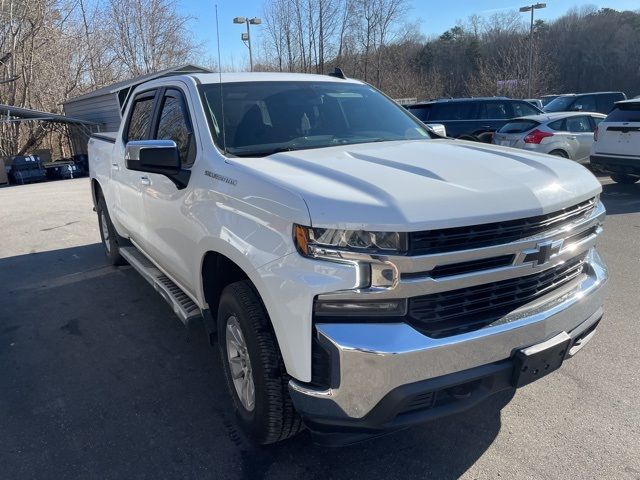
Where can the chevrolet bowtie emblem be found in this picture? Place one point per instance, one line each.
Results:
(543, 252)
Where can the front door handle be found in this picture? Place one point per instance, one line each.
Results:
(145, 181)
(115, 166)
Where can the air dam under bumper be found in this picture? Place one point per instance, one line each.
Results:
(382, 372)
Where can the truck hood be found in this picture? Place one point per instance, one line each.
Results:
(422, 185)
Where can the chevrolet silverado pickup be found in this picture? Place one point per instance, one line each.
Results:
(358, 272)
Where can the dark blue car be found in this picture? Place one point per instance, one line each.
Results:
(472, 118)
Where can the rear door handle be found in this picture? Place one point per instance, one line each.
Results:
(115, 166)
(145, 181)
(572, 137)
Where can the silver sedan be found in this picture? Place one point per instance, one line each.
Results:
(565, 134)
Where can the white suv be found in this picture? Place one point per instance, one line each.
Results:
(616, 149)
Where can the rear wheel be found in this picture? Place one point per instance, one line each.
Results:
(254, 371)
(110, 237)
(559, 153)
(624, 179)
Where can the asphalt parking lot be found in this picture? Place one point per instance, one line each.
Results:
(99, 379)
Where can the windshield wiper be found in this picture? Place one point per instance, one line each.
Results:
(265, 152)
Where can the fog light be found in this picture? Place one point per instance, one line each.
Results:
(350, 308)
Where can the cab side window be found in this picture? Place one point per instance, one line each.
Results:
(140, 118)
(579, 125)
(174, 124)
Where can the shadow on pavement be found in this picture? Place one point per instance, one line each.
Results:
(620, 199)
(100, 380)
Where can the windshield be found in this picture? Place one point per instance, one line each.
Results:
(263, 118)
(560, 104)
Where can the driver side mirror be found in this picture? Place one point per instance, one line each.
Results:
(153, 156)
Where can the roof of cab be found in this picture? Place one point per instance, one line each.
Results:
(207, 78)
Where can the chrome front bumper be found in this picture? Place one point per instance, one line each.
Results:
(372, 359)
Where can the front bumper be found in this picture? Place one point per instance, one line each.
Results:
(377, 368)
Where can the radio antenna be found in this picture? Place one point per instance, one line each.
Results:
(224, 136)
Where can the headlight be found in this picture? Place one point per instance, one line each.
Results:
(314, 242)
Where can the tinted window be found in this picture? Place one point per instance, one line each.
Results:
(522, 109)
(174, 124)
(452, 111)
(519, 126)
(495, 111)
(586, 103)
(420, 111)
(596, 121)
(560, 104)
(629, 112)
(140, 119)
(262, 118)
(578, 124)
(557, 125)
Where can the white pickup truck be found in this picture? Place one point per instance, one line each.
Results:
(359, 273)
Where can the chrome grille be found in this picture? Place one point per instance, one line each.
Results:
(458, 311)
(476, 236)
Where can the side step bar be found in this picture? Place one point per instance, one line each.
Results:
(181, 303)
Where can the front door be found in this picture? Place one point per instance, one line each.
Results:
(168, 237)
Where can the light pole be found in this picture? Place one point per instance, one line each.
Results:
(531, 8)
(246, 37)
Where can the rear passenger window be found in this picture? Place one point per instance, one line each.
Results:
(452, 111)
(140, 119)
(557, 125)
(495, 111)
(174, 125)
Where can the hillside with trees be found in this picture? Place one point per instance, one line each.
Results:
(52, 50)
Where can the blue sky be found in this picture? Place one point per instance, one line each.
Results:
(430, 15)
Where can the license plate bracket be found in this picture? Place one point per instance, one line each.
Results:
(539, 360)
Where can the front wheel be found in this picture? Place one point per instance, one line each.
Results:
(624, 179)
(253, 367)
(108, 234)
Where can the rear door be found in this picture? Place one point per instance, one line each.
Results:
(580, 129)
(167, 239)
(619, 133)
(129, 183)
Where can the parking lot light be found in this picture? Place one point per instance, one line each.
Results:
(531, 8)
(246, 37)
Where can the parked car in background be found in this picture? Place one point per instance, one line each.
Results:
(546, 99)
(61, 169)
(616, 149)
(601, 102)
(81, 160)
(536, 102)
(565, 134)
(26, 169)
(472, 118)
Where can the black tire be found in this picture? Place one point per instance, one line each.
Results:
(559, 153)
(470, 138)
(273, 417)
(112, 242)
(624, 179)
(485, 137)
